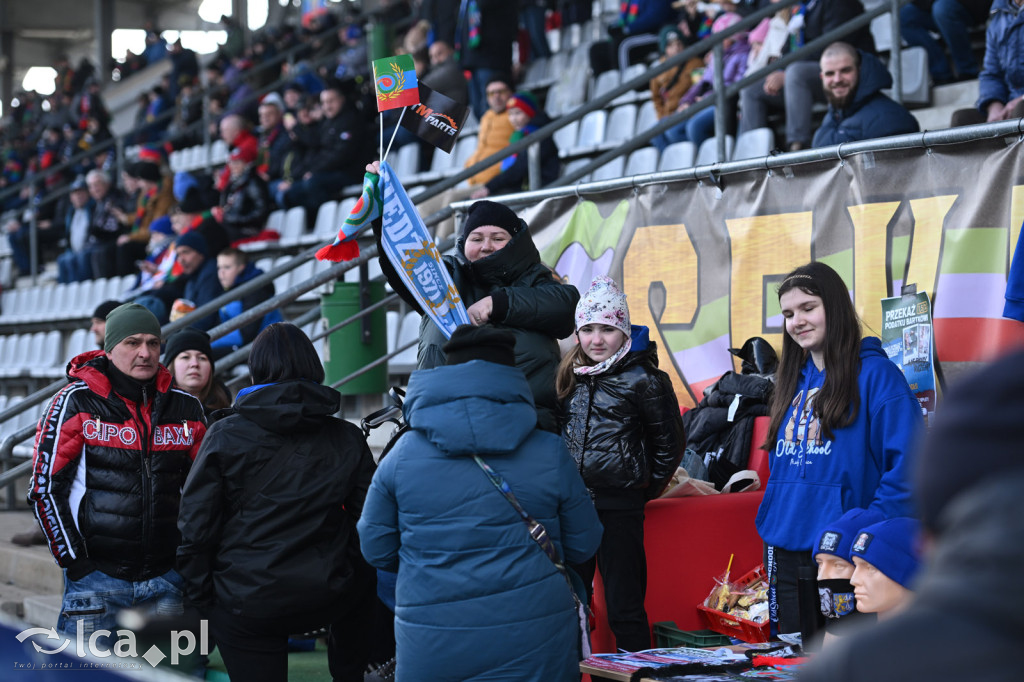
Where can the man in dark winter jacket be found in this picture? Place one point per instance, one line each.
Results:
(857, 110)
(111, 455)
(200, 266)
(962, 622)
(332, 157)
(798, 87)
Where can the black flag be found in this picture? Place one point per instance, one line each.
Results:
(438, 119)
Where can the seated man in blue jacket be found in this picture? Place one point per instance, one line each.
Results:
(200, 267)
(857, 109)
(234, 269)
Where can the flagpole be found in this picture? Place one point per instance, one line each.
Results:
(380, 150)
(392, 140)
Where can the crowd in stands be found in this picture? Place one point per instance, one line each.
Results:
(300, 130)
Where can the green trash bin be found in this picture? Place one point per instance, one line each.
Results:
(349, 348)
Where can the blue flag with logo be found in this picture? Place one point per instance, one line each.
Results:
(411, 250)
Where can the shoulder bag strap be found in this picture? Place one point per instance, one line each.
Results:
(534, 527)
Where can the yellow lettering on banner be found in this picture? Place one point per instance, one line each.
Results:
(762, 246)
(1016, 217)
(870, 242)
(662, 253)
(926, 244)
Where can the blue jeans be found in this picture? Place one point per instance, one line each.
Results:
(532, 17)
(696, 129)
(952, 20)
(93, 602)
(477, 90)
(74, 266)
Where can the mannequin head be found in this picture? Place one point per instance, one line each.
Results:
(886, 559)
(832, 554)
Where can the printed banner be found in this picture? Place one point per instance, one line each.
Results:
(411, 249)
(700, 261)
(395, 83)
(438, 119)
(907, 340)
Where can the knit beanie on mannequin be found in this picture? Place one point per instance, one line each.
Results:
(892, 547)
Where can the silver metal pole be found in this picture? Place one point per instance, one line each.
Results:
(533, 165)
(896, 52)
(719, 81)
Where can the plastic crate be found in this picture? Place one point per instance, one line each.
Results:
(746, 630)
(667, 635)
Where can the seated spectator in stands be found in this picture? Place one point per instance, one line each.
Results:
(495, 129)
(156, 197)
(245, 202)
(200, 268)
(294, 95)
(234, 130)
(234, 269)
(769, 40)
(98, 321)
(952, 19)
(857, 110)
(196, 212)
(190, 359)
(75, 264)
(1001, 81)
(526, 117)
(667, 88)
(701, 125)
(637, 17)
(274, 142)
(796, 89)
(445, 76)
(156, 268)
(354, 60)
(333, 153)
(19, 231)
(104, 228)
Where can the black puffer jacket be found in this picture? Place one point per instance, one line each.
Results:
(265, 545)
(528, 301)
(246, 203)
(108, 471)
(624, 430)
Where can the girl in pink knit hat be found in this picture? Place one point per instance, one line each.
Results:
(623, 428)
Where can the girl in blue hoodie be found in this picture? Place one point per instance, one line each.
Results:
(843, 426)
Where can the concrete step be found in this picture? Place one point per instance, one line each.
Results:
(28, 568)
(41, 610)
(936, 118)
(963, 95)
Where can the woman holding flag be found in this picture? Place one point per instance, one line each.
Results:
(502, 281)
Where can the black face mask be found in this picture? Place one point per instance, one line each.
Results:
(837, 601)
(836, 598)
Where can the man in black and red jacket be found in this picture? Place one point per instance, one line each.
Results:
(111, 454)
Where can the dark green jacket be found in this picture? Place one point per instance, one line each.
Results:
(528, 300)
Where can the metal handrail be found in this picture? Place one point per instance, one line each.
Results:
(721, 94)
(558, 189)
